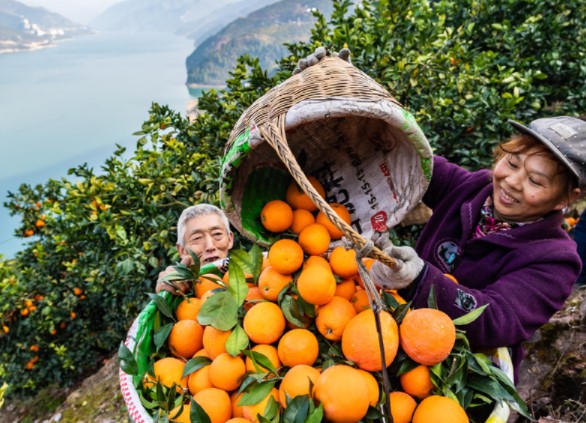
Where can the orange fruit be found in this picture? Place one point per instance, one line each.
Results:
(402, 406)
(214, 341)
(439, 409)
(360, 341)
(185, 338)
(298, 346)
(199, 380)
(343, 262)
(346, 289)
(206, 283)
(301, 218)
(360, 300)
(272, 282)
(264, 323)
(216, 403)
(271, 354)
(343, 393)
(417, 382)
(317, 261)
(236, 408)
(226, 372)
(254, 296)
(276, 216)
(368, 262)
(314, 239)
(299, 380)
(188, 309)
(316, 285)
(286, 256)
(182, 417)
(201, 353)
(342, 213)
(238, 420)
(251, 412)
(373, 387)
(427, 335)
(333, 317)
(298, 199)
(168, 371)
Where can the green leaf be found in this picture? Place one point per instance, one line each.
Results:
(244, 260)
(237, 341)
(195, 364)
(198, 414)
(470, 317)
(316, 415)
(257, 393)
(297, 410)
(295, 310)
(237, 286)
(162, 305)
(161, 335)
(220, 310)
(126, 360)
(261, 362)
(196, 264)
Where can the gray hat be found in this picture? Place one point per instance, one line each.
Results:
(565, 136)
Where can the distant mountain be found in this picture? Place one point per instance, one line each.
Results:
(183, 17)
(200, 29)
(261, 34)
(31, 28)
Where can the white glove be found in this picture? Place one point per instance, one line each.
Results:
(409, 266)
(317, 55)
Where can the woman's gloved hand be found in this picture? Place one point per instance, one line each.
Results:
(409, 265)
(317, 55)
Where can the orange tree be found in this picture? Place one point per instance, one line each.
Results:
(97, 239)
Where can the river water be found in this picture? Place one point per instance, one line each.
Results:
(71, 104)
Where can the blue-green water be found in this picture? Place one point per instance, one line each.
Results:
(69, 105)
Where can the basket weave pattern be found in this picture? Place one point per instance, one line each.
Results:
(328, 108)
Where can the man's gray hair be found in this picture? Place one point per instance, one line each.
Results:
(202, 209)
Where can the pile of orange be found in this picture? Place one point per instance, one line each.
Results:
(309, 320)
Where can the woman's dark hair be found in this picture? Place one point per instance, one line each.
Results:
(521, 143)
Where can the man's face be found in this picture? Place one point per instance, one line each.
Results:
(207, 237)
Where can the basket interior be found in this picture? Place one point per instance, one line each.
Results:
(366, 163)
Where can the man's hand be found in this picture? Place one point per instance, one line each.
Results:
(317, 55)
(174, 287)
(409, 266)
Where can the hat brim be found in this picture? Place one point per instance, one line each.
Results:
(548, 144)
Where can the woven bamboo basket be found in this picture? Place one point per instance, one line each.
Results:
(335, 123)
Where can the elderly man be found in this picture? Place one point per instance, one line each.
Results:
(205, 230)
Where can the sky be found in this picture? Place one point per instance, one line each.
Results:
(78, 11)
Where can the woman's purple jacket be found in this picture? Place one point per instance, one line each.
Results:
(524, 274)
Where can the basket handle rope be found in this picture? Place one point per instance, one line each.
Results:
(276, 137)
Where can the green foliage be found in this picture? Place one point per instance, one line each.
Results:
(98, 238)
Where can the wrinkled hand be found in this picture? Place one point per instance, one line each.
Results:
(317, 55)
(176, 286)
(409, 266)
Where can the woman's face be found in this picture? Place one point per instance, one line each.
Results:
(527, 186)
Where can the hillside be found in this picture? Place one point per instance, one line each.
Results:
(260, 34)
(31, 28)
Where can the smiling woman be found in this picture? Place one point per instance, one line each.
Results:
(499, 233)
